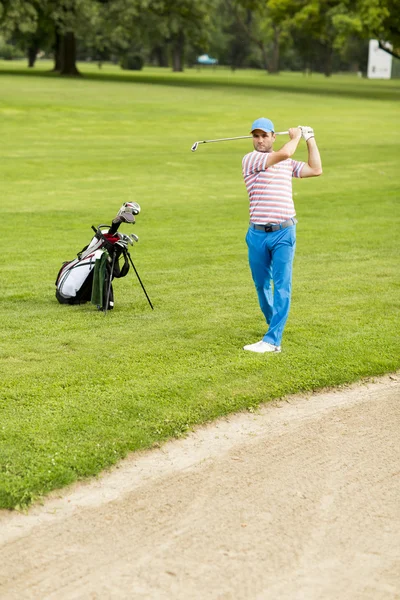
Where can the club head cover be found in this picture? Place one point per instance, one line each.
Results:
(127, 212)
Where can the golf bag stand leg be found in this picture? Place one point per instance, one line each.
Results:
(111, 273)
(140, 281)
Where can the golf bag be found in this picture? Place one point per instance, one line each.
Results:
(89, 277)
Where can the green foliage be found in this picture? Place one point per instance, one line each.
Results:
(263, 33)
(132, 62)
(381, 19)
(117, 26)
(9, 51)
(80, 390)
(346, 26)
(18, 15)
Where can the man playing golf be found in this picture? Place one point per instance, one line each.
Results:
(271, 237)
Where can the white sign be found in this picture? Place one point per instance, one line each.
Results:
(379, 62)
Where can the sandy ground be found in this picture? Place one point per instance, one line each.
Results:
(298, 501)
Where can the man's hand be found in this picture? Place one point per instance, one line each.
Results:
(306, 132)
(287, 150)
(313, 167)
(295, 133)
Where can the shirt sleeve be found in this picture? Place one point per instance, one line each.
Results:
(297, 167)
(254, 162)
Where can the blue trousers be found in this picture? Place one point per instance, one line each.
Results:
(271, 260)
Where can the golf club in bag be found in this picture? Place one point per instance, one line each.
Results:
(89, 277)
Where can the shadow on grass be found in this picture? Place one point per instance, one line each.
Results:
(351, 89)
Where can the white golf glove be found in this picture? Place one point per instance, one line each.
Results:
(306, 132)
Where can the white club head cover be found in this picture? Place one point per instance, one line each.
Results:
(127, 212)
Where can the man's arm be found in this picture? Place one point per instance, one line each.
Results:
(287, 150)
(313, 168)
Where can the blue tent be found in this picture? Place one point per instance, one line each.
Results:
(204, 59)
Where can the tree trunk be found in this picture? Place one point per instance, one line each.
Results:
(160, 56)
(68, 54)
(274, 62)
(178, 43)
(57, 52)
(264, 55)
(32, 53)
(328, 62)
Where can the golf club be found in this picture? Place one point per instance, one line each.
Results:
(242, 137)
(128, 239)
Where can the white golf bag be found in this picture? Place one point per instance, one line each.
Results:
(87, 277)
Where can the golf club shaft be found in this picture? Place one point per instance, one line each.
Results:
(241, 137)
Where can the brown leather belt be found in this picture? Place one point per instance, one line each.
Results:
(274, 226)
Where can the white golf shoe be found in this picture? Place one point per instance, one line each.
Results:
(262, 347)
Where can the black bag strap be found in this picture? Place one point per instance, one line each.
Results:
(121, 271)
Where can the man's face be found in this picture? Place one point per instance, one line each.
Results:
(263, 141)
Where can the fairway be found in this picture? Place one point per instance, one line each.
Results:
(80, 390)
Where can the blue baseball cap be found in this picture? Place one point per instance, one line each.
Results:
(263, 124)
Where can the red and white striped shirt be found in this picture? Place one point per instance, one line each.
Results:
(270, 188)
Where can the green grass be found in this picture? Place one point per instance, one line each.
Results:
(80, 390)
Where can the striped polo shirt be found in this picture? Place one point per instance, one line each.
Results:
(270, 188)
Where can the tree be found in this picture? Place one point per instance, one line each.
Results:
(71, 19)
(266, 23)
(55, 22)
(41, 39)
(18, 16)
(117, 28)
(380, 19)
(23, 22)
(183, 24)
(253, 21)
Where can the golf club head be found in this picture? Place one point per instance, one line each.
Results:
(127, 212)
(128, 239)
(194, 147)
(123, 237)
(133, 207)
